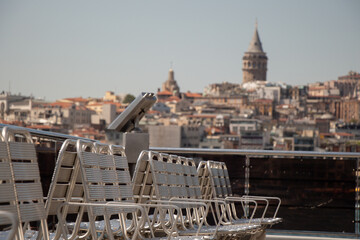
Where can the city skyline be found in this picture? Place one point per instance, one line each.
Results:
(84, 48)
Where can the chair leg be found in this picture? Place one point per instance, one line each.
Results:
(259, 235)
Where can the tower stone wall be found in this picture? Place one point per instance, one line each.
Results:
(254, 61)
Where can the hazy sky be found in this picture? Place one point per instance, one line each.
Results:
(57, 49)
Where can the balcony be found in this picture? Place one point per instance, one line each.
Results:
(319, 191)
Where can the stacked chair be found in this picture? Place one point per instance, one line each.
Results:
(215, 184)
(93, 197)
(92, 180)
(8, 206)
(22, 196)
(162, 177)
(103, 182)
(66, 186)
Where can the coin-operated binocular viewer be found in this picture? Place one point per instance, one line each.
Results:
(125, 130)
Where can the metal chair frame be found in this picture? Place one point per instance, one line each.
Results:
(25, 180)
(215, 184)
(8, 206)
(108, 191)
(163, 177)
(66, 186)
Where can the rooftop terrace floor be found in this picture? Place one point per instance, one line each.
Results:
(307, 235)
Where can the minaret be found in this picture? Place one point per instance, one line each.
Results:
(254, 60)
(170, 84)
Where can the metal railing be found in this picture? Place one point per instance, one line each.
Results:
(325, 160)
(46, 134)
(256, 152)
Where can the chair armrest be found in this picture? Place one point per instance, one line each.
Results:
(268, 198)
(106, 205)
(243, 200)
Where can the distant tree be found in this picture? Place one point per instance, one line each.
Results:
(128, 98)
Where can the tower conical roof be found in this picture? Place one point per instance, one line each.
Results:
(255, 44)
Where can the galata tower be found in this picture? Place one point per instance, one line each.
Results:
(254, 60)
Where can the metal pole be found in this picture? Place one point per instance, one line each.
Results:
(357, 197)
(247, 183)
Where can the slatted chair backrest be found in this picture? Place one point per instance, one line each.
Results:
(143, 188)
(7, 196)
(167, 176)
(191, 178)
(220, 179)
(225, 171)
(26, 175)
(176, 177)
(66, 183)
(161, 176)
(106, 179)
(205, 180)
(105, 173)
(122, 172)
(215, 183)
(98, 175)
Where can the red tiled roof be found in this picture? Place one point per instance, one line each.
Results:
(326, 134)
(162, 93)
(88, 132)
(152, 112)
(5, 122)
(81, 108)
(61, 104)
(343, 134)
(42, 127)
(95, 104)
(193, 95)
(173, 98)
